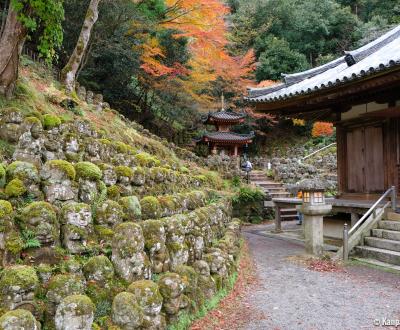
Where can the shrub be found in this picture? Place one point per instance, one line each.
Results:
(51, 121)
(88, 170)
(248, 195)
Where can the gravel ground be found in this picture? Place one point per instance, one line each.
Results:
(294, 297)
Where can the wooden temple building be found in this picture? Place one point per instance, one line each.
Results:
(222, 140)
(360, 93)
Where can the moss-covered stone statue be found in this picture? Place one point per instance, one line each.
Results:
(75, 312)
(128, 254)
(150, 300)
(19, 319)
(126, 311)
(18, 285)
(77, 226)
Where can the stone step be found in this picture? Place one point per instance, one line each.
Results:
(390, 257)
(378, 263)
(393, 216)
(276, 189)
(389, 225)
(388, 234)
(268, 184)
(289, 211)
(283, 194)
(382, 243)
(288, 217)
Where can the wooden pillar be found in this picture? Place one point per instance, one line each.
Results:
(235, 150)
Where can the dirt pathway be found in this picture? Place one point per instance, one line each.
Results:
(291, 296)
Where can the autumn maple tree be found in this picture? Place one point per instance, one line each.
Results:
(321, 129)
(211, 70)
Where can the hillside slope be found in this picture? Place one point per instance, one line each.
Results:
(102, 224)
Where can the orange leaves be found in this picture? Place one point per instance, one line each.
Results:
(322, 129)
(202, 23)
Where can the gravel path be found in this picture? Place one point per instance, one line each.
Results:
(294, 297)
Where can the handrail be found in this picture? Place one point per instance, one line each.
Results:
(347, 233)
(319, 150)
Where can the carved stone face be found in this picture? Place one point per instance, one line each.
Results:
(41, 219)
(77, 226)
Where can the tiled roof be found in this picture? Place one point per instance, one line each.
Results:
(228, 136)
(225, 116)
(373, 58)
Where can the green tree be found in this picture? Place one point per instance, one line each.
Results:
(25, 17)
(279, 58)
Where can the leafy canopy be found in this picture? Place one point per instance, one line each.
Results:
(45, 16)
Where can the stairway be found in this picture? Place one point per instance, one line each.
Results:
(273, 190)
(384, 243)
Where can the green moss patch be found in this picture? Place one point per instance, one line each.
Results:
(151, 207)
(88, 170)
(63, 166)
(5, 208)
(15, 188)
(124, 171)
(51, 121)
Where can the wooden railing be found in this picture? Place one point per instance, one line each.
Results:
(367, 221)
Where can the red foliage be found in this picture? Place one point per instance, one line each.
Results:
(203, 23)
(322, 129)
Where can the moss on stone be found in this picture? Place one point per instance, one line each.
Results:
(124, 171)
(15, 188)
(147, 293)
(23, 276)
(82, 305)
(151, 207)
(170, 285)
(22, 170)
(121, 147)
(88, 170)
(146, 160)
(64, 285)
(33, 120)
(105, 142)
(99, 268)
(2, 174)
(113, 192)
(51, 121)
(131, 207)
(64, 166)
(104, 233)
(168, 203)
(14, 243)
(5, 208)
(18, 318)
(38, 209)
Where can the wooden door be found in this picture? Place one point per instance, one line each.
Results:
(355, 160)
(365, 160)
(374, 161)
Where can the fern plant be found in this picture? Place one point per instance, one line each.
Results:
(30, 240)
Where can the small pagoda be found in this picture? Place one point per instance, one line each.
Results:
(223, 141)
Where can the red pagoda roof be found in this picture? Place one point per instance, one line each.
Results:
(228, 137)
(224, 117)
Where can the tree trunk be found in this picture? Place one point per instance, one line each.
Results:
(11, 42)
(68, 73)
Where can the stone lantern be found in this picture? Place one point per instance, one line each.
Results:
(313, 209)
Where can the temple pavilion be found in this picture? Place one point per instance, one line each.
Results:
(222, 140)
